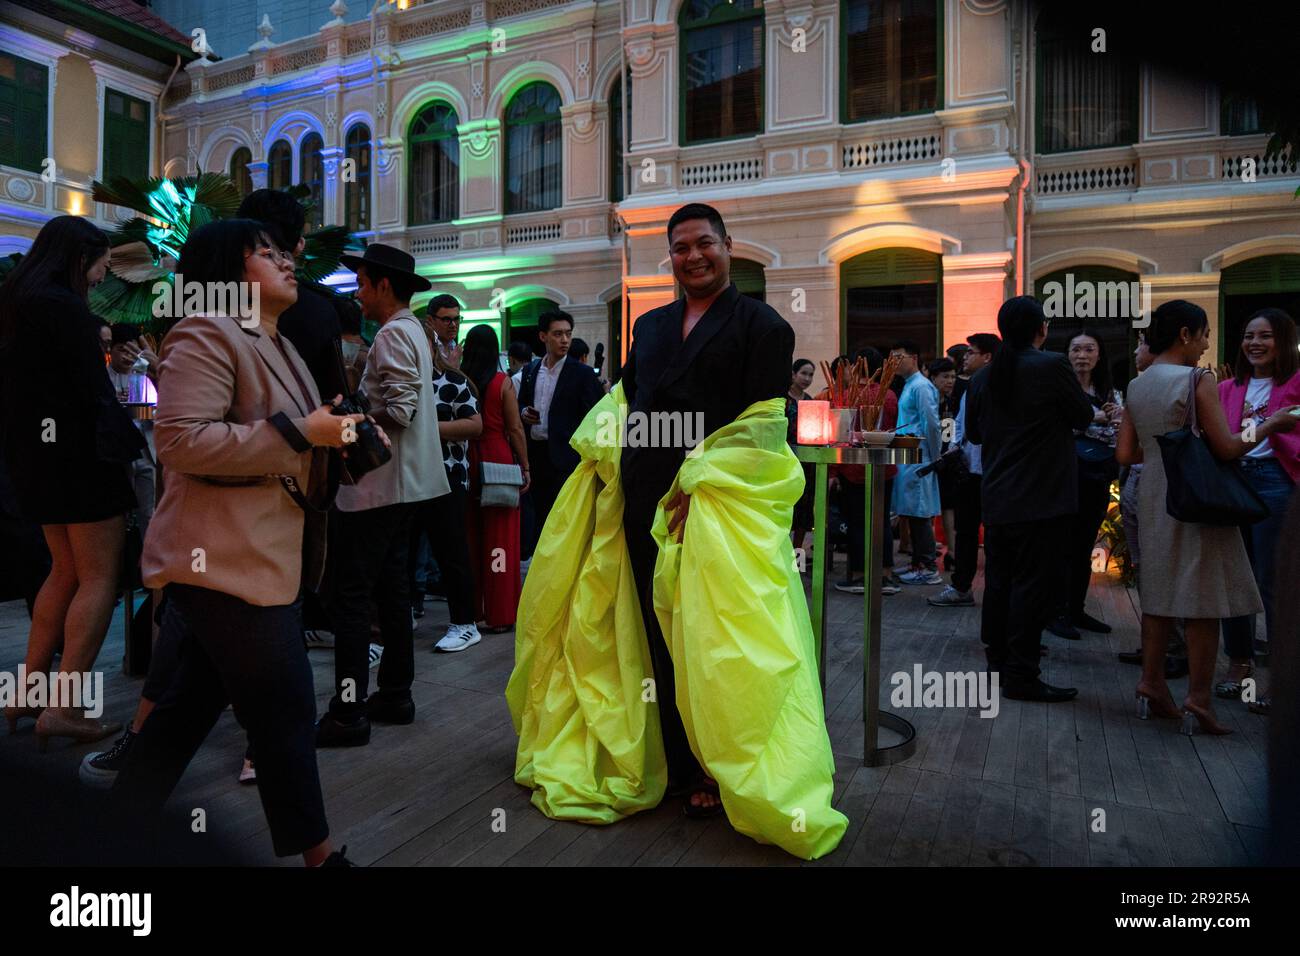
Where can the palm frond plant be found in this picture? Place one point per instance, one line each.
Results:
(145, 248)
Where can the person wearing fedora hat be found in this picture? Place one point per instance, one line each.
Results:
(375, 513)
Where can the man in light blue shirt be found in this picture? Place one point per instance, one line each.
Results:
(916, 496)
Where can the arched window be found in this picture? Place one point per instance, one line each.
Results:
(311, 173)
(892, 294)
(722, 69)
(534, 139)
(521, 322)
(889, 53)
(1247, 287)
(279, 165)
(356, 188)
(239, 173)
(1102, 304)
(616, 173)
(749, 278)
(434, 148)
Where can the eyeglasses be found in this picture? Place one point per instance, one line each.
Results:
(276, 256)
(450, 320)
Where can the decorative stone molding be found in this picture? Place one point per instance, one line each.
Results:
(264, 30)
(388, 150)
(20, 189)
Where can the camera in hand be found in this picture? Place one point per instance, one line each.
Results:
(368, 452)
(951, 462)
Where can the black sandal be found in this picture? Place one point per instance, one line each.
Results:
(701, 812)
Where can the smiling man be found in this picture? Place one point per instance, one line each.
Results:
(713, 352)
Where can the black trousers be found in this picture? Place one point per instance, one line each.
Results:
(547, 481)
(969, 511)
(853, 509)
(638, 517)
(1081, 538)
(1022, 564)
(443, 520)
(253, 658)
(374, 547)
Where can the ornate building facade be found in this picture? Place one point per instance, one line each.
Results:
(887, 168)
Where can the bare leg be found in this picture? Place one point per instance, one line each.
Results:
(1156, 631)
(1202, 653)
(142, 712)
(53, 600)
(96, 551)
(317, 854)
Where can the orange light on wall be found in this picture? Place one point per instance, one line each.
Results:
(815, 424)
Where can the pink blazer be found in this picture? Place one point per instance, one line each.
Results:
(1286, 446)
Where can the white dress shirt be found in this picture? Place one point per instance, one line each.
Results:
(543, 391)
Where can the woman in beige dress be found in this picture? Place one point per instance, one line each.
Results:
(1202, 573)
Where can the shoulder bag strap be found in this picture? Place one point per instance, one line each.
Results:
(1189, 416)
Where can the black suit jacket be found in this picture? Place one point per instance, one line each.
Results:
(738, 353)
(312, 325)
(577, 390)
(1030, 467)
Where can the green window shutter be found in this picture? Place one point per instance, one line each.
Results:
(24, 104)
(1267, 274)
(891, 267)
(126, 136)
(749, 278)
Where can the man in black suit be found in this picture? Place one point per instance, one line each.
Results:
(1022, 409)
(712, 352)
(554, 397)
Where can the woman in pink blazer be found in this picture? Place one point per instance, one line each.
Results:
(1266, 380)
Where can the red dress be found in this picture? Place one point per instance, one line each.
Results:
(493, 532)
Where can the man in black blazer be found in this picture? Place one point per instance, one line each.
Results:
(554, 397)
(713, 352)
(1022, 409)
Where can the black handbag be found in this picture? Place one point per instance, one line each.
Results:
(1200, 489)
(1096, 459)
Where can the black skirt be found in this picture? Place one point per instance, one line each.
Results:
(91, 491)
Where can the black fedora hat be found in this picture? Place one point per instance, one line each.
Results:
(390, 259)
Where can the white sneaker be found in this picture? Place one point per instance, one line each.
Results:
(458, 637)
(316, 640)
(376, 652)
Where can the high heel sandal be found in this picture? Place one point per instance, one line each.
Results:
(1196, 720)
(15, 714)
(1231, 689)
(1148, 707)
(81, 730)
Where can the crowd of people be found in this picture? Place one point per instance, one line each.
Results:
(281, 523)
(311, 483)
(1026, 444)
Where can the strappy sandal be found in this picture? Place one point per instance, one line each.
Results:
(703, 785)
(1261, 706)
(1231, 689)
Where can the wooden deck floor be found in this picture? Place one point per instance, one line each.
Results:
(1020, 789)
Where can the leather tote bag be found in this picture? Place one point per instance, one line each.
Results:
(1201, 489)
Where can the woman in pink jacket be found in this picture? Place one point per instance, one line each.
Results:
(1265, 380)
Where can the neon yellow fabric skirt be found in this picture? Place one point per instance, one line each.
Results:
(732, 608)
